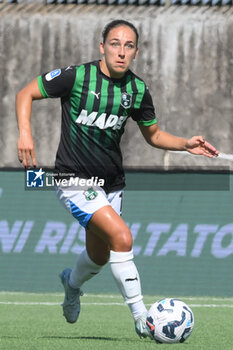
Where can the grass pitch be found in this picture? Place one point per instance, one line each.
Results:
(35, 322)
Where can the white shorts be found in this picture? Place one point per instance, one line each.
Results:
(83, 204)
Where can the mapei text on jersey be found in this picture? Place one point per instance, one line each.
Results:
(102, 121)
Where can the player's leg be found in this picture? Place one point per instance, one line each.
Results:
(108, 232)
(99, 240)
(82, 205)
(88, 264)
(110, 227)
(84, 269)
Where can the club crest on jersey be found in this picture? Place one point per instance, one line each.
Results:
(90, 194)
(126, 100)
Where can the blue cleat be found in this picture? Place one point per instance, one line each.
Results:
(71, 305)
(141, 328)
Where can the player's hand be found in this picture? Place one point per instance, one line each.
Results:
(26, 153)
(199, 146)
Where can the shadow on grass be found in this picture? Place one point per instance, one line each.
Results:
(84, 338)
(9, 337)
(69, 338)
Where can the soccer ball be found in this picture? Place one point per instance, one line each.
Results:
(170, 321)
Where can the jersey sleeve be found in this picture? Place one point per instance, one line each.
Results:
(145, 114)
(57, 83)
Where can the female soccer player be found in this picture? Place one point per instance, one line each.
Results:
(97, 98)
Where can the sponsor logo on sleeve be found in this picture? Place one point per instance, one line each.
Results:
(51, 75)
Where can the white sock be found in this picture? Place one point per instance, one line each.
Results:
(137, 309)
(127, 279)
(83, 270)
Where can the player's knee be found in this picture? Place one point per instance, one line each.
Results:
(123, 241)
(99, 258)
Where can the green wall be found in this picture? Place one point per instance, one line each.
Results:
(183, 236)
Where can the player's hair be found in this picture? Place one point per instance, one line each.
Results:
(119, 23)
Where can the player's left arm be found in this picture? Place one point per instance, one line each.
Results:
(161, 139)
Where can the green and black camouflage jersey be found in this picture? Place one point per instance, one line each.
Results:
(95, 109)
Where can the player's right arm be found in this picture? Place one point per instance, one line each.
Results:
(24, 98)
(57, 83)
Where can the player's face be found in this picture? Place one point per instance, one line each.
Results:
(118, 51)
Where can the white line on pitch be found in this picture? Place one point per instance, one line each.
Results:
(118, 296)
(103, 304)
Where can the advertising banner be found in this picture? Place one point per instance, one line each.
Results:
(182, 226)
